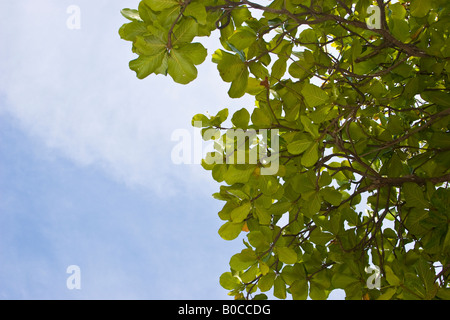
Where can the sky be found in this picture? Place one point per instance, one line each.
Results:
(86, 175)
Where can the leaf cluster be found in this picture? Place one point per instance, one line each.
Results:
(362, 118)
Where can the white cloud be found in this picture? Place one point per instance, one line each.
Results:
(73, 91)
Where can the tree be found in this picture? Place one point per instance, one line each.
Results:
(357, 94)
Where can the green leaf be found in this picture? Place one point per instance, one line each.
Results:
(195, 51)
(414, 221)
(261, 118)
(241, 118)
(185, 32)
(239, 85)
(298, 69)
(238, 174)
(279, 68)
(159, 5)
(241, 212)
(146, 14)
(241, 261)
(240, 15)
(309, 126)
(145, 65)
(398, 11)
(263, 267)
(443, 293)
(356, 49)
(258, 240)
(388, 294)
(228, 281)
(313, 95)
(229, 65)
(218, 172)
(268, 184)
(308, 36)
(304, 182)
(130, 31)
(197, 11)
(250, 274)
(220, 117)
(299, 289)
(258, 70)
(311, 155)
(293, 273)
(299, 146)
(266, 282)
(317, 292)
(446, 244)
(414, 195)
(400, 29)
(240, 53)
(420, 8)
(440, 140)
(411, 88)
(131, 14)
(149, 46)
(319, 237)
(342, 281)
(264, 217)
(331, 196)
(312, 204)
(279, 208)
(200, 118)
(279, 288)
(438, 97)
(230, 230)
(242, 38)
(181, 68)
(391, 278)
(254, 86)
(164, 20)
(286, 255)
(426, 275)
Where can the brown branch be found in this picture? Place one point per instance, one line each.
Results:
(434, 118)
(183, 8)
(398, 182)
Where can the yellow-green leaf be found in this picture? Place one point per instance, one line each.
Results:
(181, 68)
(230, 230)
(197, 11)
(145, 65)
(149, 46)
(311, 155)
(414, 195)
(159, 5)
(240, 213)
(391, 278)
(195, 51)
(298, 146)
(239, 84)
(286, 255)
(313, 95)
(420, 8)
(186, 31)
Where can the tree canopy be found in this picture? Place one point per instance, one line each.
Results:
(358, 96)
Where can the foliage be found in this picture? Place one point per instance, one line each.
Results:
(363, 124)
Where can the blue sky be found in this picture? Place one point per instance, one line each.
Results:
(86, 176)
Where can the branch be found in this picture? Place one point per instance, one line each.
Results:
(434, 118)
(398, 182)
(183, 8)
